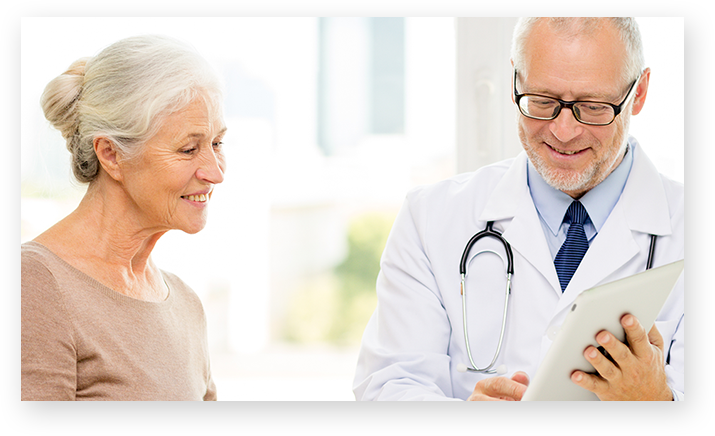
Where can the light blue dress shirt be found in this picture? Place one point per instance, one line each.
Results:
(551, 204)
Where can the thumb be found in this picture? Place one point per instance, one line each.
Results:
(521, 377)
(656, 338)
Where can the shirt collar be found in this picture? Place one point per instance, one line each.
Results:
(599, 201)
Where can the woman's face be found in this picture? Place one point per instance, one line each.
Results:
(171, 182)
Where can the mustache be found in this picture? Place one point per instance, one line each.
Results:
(579, 143)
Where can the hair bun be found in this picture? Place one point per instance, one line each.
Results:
(122, 95)
(60, 100)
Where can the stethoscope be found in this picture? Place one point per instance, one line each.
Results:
(509, 265)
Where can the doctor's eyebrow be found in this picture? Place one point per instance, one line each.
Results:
(600, 96)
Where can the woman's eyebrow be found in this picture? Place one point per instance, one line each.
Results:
(203, 134)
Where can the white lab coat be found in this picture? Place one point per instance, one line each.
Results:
(414, 341)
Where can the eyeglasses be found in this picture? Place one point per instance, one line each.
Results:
(593, 113)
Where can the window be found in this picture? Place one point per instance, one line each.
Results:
(361, 88)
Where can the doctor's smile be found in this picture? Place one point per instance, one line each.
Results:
(566, 152)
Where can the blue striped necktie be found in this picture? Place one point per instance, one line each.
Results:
(574, 247)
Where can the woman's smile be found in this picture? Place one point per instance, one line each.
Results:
(199, 198)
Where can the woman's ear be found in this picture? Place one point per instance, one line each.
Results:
(106, 152)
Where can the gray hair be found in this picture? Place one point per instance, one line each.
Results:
(123, 94)
(572, 27)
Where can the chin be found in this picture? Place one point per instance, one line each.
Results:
(570, 182)
(192, 228)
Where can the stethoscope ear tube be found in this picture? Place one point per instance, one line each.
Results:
(488, 231)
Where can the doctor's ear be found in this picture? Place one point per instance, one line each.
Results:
(511, 80)
(641, 92)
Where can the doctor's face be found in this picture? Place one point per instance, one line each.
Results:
(571, 156)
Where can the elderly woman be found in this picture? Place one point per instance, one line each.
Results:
(100, 321)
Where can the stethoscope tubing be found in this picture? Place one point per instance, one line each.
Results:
(509, 265)
(489, 368)
(490, 232)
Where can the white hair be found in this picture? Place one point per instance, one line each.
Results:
(626, 27)
(123, 94)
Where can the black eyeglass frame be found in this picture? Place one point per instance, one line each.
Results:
(570, 104)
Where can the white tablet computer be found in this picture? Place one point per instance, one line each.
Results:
(596, 309)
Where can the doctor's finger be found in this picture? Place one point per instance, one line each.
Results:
(502, 387)
(605, 368)
(636, 335)
(590, 382)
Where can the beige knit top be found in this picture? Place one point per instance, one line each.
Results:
(84, 341)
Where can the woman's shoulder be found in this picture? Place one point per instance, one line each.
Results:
(183, 296)
(36, 260)
(174, 281)
(45, 277)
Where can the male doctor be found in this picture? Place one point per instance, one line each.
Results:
(576, 84)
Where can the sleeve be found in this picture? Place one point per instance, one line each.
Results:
(671, 325)
(210, 390)
(49, 362)
(404, 352)
(675, 361)
(210, 385)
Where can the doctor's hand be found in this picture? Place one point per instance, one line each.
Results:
(638, 372)
(501, 388)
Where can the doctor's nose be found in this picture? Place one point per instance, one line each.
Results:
(565, 127)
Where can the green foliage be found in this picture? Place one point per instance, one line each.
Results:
(336, 308)
(366, 240)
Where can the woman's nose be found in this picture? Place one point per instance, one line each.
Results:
(212, 167)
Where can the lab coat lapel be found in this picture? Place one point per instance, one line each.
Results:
(511, 199)
(526, 236)
(643, 208)
(644, 200)
(612, 248)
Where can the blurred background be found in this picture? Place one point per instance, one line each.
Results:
(331, 121)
